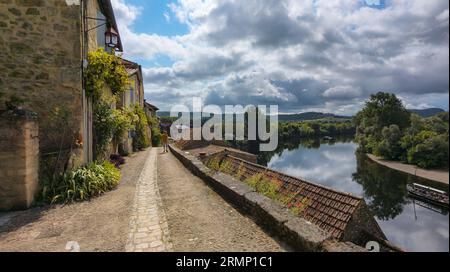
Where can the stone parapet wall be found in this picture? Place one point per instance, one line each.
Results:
(19, 161)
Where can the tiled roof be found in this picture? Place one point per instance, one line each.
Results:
(329, 209)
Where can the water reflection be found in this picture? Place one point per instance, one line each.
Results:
(385, 190)
(410, 224)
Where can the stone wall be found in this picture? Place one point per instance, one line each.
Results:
(40, 61)
(19, 160)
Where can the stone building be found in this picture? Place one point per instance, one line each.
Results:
(150, 110)
(134, 95)
(43, 54)
(44, 47)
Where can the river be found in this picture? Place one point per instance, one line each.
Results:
(407, 223)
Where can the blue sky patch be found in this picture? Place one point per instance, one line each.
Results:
(157, 18)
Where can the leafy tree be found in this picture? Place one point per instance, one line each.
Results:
(382, 110)
(431, 152)
(390, 146)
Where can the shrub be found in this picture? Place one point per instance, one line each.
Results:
(431, 153)
(81, 184)
(156, 137)
(104, 126)
(141, 139)
(123, 122)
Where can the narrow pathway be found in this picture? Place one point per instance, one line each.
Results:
(200, 220)
(101, 224)
(148, 227)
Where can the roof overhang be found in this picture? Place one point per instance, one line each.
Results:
(150, 106)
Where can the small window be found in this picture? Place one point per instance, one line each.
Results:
(132, 96)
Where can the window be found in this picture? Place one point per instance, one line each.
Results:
(132, 96)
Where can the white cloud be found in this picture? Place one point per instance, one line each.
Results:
(322, 55)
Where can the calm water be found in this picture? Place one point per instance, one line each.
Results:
(406, 223)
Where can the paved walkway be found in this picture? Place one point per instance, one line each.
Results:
(435, 175)
(99, 225)
(148, 226)
(156, 194)
(200, 220)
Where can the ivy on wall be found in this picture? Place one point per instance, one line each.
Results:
(141, 139)
(106, 70)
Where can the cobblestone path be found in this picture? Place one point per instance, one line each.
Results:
(148, 227)
(200, 220)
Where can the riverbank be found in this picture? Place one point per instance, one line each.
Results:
(440, 176)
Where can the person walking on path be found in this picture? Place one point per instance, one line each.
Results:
(165, 141)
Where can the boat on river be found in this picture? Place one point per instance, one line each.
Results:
(428, 194)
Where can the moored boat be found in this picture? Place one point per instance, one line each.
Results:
(428, 194)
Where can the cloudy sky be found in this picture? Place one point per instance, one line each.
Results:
(303, 55)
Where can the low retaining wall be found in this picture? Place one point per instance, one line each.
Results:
(19, 160)
(296, 232)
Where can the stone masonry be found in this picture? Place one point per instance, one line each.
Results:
(40, 60)
(149, 231)
(19, 161)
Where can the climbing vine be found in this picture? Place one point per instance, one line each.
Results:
(105, 69)
(141, 139)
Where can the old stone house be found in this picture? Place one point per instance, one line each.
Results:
(134, 95)
(44, 47)
(150, 110)
(43, 55)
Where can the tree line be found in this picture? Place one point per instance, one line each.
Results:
(386, 129)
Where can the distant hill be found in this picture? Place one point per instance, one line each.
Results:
(306, 116)
(427, 112)
(309, 116)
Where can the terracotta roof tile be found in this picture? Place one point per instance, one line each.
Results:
(329, 209)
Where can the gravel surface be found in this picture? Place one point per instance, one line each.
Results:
(99, 225)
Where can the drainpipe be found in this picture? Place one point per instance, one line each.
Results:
(84, 46)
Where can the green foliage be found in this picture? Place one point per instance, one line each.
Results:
(81, 184)
(156, 137)
(214, 163)
(432, 152)
(141, 139)
(264, 186)
(225, 167)
(105, 68)
(305, 129)
(299, 207)
(390, 146)
(124, 120)
(240, 172)
(385, 128)
(104, 127)
(382, 110)
(153, 122)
